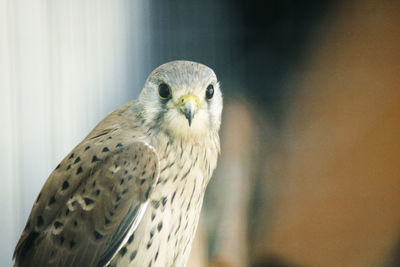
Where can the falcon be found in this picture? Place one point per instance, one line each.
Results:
(130, 194)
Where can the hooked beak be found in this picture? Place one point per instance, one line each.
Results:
(188, 105)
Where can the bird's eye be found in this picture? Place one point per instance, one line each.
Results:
(164, 91)
(210, 92)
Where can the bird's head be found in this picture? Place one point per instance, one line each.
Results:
(182, 98)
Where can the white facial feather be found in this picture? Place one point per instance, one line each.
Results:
(183, 78)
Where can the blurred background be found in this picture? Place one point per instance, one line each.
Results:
(309, 173)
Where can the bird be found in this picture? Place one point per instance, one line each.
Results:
(130, 194)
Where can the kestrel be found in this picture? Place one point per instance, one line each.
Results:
(131, 192)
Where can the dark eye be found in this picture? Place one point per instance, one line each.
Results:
(210, 92)
(164, 91)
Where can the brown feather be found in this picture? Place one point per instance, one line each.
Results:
(86, 197)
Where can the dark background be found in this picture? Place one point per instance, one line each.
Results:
(253, 46)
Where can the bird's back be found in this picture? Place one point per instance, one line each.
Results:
(69, 210)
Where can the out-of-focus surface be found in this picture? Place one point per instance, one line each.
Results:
(340, 181)
(308, 174)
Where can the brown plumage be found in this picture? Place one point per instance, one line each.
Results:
(87, 195)
(139, 173)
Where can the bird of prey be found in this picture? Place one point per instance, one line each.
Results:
(131, 192)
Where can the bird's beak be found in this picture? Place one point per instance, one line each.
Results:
(188, 105)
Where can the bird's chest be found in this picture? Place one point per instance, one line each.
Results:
(173, 216)
(165, 234)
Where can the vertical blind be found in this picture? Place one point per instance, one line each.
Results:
(63, 66)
